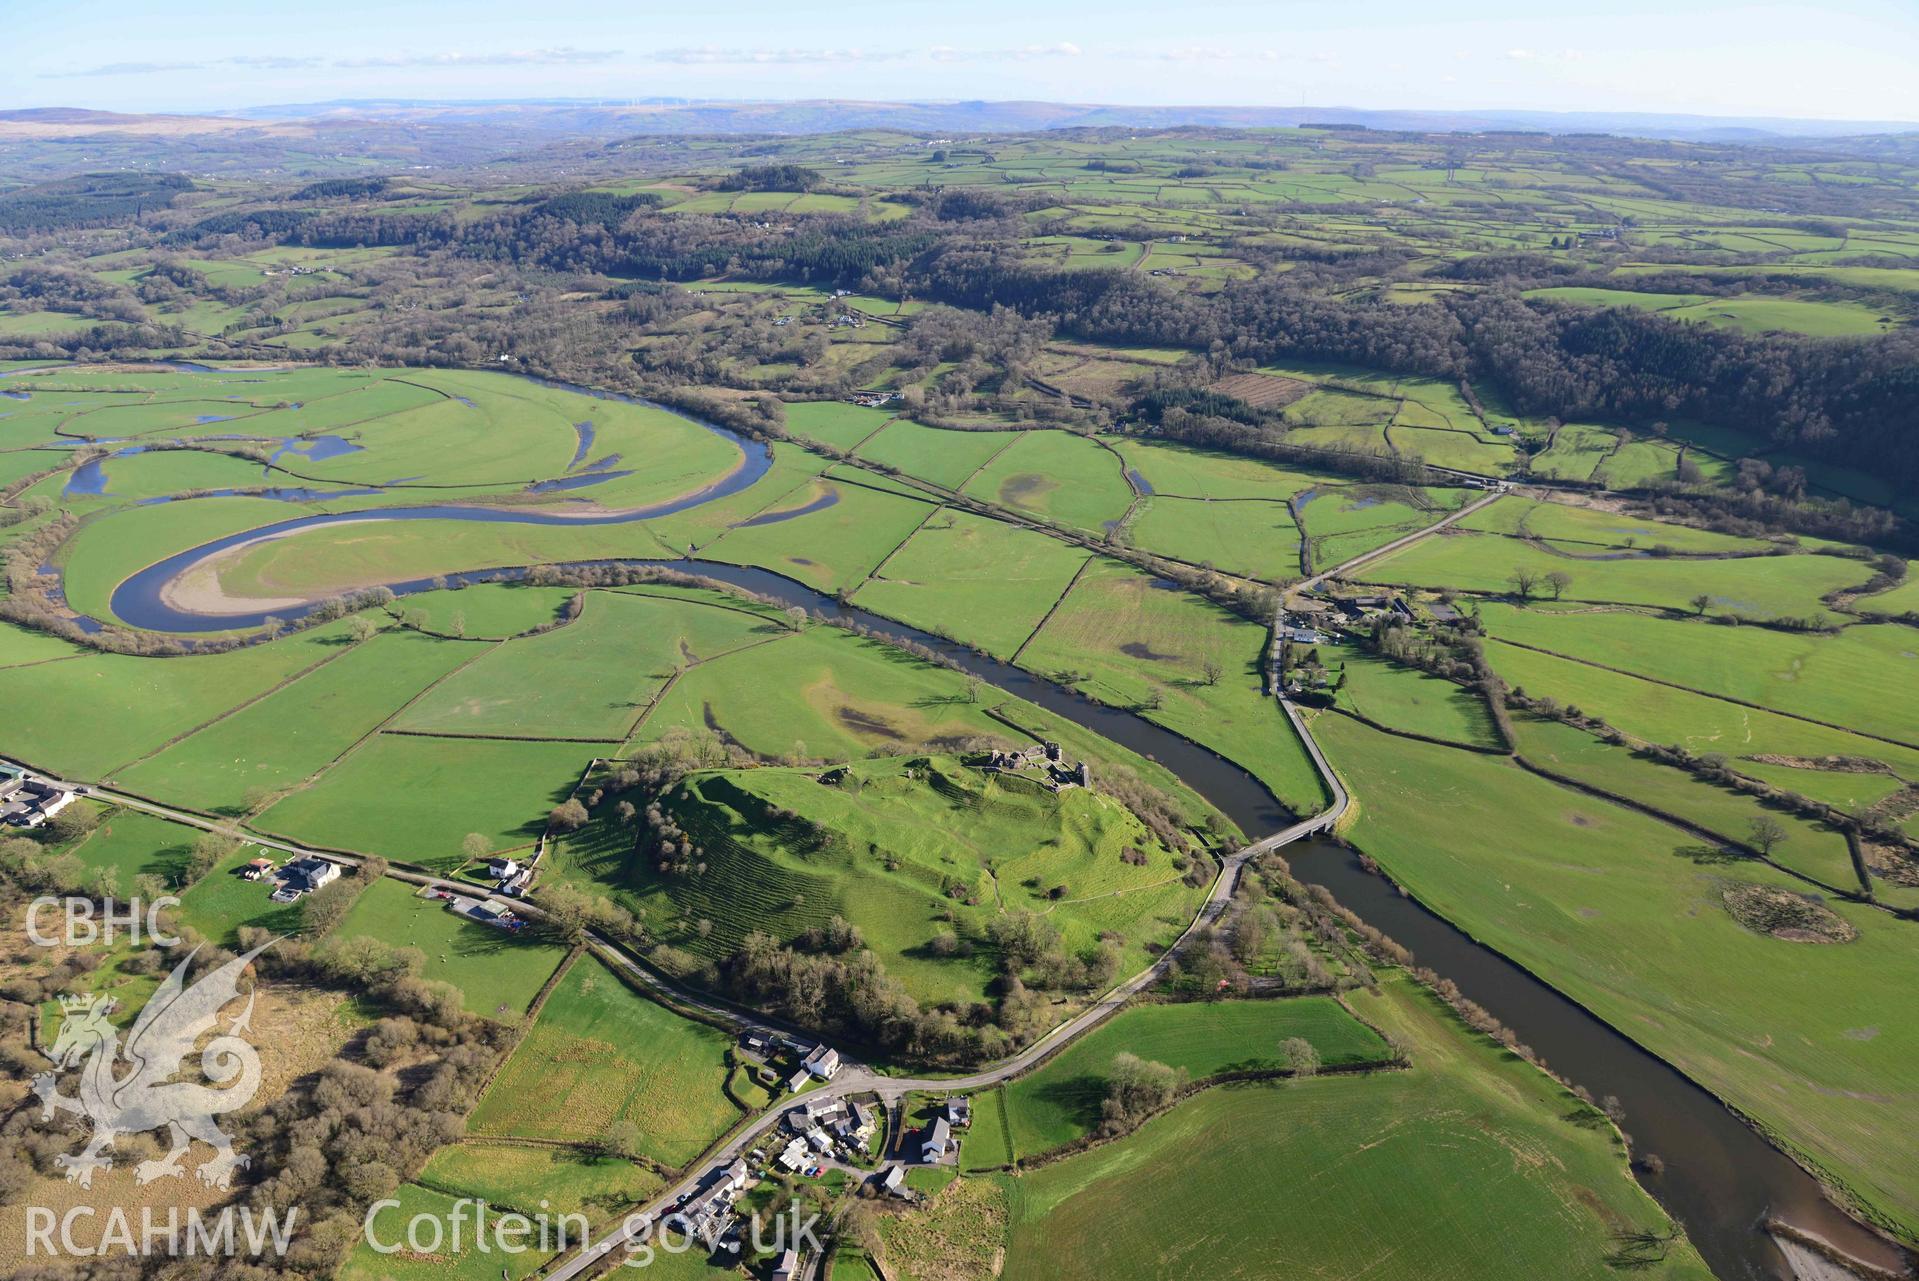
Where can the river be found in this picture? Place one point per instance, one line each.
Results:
(1720, 1178)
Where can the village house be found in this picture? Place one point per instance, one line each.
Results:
(893, 1182)
(793, 1159)
(258, 869)
(30, 802)
(788, 1267)
(959, 1111)
(305, 876)
(822, 1062)
(815, 1112)
(938, 1145)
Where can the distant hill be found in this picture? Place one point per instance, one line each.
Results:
(673, 115)
(332, 139)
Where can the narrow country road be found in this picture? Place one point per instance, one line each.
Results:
(853, 1078)
(856, 1078)
(1366, 558)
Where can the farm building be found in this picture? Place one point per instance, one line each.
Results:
(30, 802)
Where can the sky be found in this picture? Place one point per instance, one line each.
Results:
(1840, 59)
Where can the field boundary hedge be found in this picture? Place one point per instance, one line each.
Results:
(1685, 825)
(290, 679)
(1482, 748)
(1723, 698)
(1245, 1076)
(533, 1009)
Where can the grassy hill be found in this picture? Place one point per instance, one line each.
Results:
(905, 848)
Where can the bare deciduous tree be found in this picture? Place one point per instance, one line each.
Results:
(1764, 834)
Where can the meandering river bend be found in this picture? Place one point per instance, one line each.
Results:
(1720, 1178)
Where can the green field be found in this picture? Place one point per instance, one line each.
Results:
(1619, 912)
(1753, 314)
(222, 901)
(830, 548)
(1903, 599)
(486, 611)
(463, 1261)
(1342, 522)
(599, 1054)
(1466, 1166)
(1666, 714)
(981, 581)
(1060, 1102)
(89, 714)
(1757, 587)
(524, 1177)
(1811, 849)
(1062, 477)
(834, 422)
(1406, 698)
(1201, 473)
(497, 972)
(134, 844)
(1249, 538)
(1865, 678)
(415, 799)
(297, 731)
(1139, 642)
(1588, 531)
(588, 679)
(947, 458)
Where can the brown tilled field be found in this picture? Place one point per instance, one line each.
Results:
(1262, 391)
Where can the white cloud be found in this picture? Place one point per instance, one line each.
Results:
(562, 56)
(714, 55)
(124, 69)
(271, 62)
(1019, 53)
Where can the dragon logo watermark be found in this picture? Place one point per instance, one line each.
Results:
(130, 1088)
